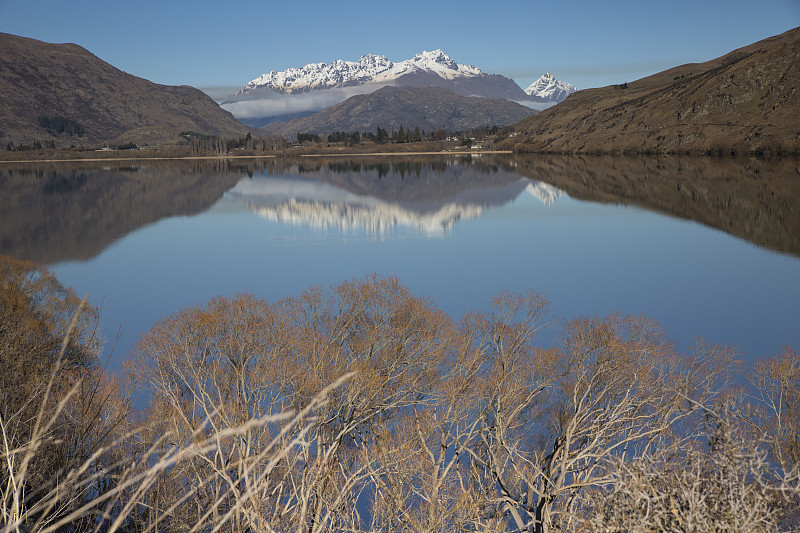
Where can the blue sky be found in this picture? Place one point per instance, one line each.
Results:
(587, 43)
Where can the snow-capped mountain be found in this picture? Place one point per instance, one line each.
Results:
(299, 92)
(321, 75)
(550, 89)
(370, 68)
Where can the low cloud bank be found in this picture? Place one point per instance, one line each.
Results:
(278, 104)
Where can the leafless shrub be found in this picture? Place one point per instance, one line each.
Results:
(364, 408)
(721, 481)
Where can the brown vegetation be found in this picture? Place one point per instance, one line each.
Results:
(62, 95)
(364, 408)
(59, 412)
(743, 102)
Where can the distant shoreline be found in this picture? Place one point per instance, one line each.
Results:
(471, 152)
(147, 158)
(270, 156)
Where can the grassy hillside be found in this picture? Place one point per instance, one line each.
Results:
(64, 95)
(745, 101)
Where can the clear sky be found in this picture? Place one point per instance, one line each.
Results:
(587, 43)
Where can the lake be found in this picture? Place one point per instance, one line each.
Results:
(709, 248)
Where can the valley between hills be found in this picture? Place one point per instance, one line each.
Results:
(58, 101)
(224, 377)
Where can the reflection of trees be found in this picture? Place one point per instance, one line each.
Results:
(749, 198)
(402, 179)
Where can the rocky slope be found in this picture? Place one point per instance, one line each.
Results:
(63, 94)
(745, 101)
(427, 108)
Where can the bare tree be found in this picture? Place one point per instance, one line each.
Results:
(720, 480)
(365, 408)
(614, 388)
(57, 406)
(777, 385)
(219, 366)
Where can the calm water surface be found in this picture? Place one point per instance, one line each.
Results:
(153, 240)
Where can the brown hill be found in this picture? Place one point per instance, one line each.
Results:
(427, 108)
(64, 94)
(745, 101)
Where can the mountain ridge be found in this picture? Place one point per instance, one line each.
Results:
(378, 69)
(64, 95)
(318, 86)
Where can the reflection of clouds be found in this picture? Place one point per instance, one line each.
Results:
(310, 203)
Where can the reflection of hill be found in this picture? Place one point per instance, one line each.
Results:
(753, 199)
(65, 212)
(349, 195)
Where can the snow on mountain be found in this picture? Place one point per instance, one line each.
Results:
(321, 75)
(436, 61)
(550, 89)
(370, 68)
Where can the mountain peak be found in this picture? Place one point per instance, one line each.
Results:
(436, 56)
(369, 68)
(550, 89)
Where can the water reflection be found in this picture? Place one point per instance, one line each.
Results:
(382, 200)
(51, 213)
(750, 198)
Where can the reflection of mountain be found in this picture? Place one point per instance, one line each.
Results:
(430, 200)
(753, 199)
(56, 213)
(52, 213)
